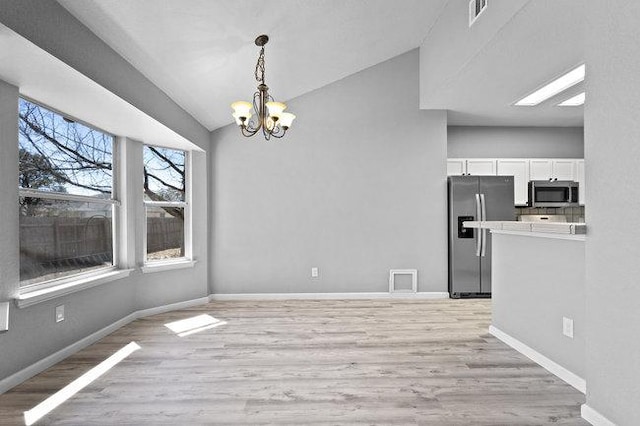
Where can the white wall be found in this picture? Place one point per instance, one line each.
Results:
(612, 149)
(356, 188)
(515, 142)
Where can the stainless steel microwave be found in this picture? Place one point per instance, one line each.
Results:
(553, 193)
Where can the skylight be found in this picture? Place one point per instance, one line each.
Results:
(575, 101)
(558, 85)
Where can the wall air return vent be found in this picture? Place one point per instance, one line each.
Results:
(476, 7)
(403, 281)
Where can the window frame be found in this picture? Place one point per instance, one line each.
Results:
(187, 259)
(113, 201)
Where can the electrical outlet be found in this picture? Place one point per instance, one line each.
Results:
(60, 313)
(567, 327)
(314, 272)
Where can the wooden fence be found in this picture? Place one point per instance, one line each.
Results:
(164, 233)
(51, 245)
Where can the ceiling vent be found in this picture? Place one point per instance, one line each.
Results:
(476, 7)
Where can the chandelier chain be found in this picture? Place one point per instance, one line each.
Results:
(259, 73)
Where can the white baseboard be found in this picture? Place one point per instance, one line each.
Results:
(574, 380)
(329, 296)
(172, 307)
(594, 417)
(39, 366)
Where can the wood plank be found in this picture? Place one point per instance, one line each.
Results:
(308, 362)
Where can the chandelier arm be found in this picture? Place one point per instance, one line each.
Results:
(277, 131)
(258, 109)
(248, 132)
(266, 133)
(281, 133)
(252, 126)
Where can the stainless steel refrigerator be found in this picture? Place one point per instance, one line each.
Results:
(475, 198)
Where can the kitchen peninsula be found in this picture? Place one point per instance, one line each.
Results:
(538, 297)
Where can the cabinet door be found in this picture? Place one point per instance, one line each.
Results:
(481, 167)
(580, 180)
(456, 167)
(519, 169)
(564, 169)
(540, 169)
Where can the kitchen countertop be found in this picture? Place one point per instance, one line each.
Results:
(562, 228)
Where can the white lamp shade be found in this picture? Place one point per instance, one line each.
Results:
(286, 118)
(237, 116)
(242, 108)
(276, 108)
(270, 124)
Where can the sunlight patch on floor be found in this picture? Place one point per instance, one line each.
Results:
(194, 325)
(58, 398)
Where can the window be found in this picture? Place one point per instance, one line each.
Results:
(166, 204)
(476, 7)
(66, 200)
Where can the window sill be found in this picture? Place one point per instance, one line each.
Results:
(152, 267)
(32, 297)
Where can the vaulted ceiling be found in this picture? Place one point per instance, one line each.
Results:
(202, 52)
(542, 40)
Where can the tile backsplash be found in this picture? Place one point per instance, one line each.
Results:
(573, 214)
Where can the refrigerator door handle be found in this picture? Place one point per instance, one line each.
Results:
(478, 218)
(484, 230)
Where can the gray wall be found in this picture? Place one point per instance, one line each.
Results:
(9, 253)
(33, 333)
(612, 149)
(515, 142)
(356, 188)
(536, 282)
(450, 44)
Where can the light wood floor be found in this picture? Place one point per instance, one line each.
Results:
(308, 362)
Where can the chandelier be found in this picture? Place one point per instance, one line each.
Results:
(267, 114)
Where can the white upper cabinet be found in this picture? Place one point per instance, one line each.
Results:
(545, 169)
(456, 167)
(519, 169)
(540, 169)
(580, 180)
(523, 170)
(471, 166)
(564, 169)
(481, 167)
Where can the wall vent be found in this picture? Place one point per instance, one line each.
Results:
(403, 281)
(476, 7)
